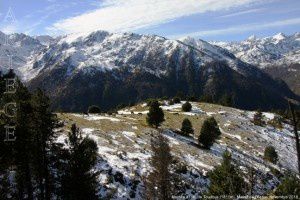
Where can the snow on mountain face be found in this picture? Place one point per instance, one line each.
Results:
(277, 50)
(17, 49)
(104, 51)
(215, 52)
(45, 39)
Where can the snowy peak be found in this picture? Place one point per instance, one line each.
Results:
(279, 36)
(99, 62)
(252, 38)
(104, 51)
(18, 49)
(279, 49)
(212, 50)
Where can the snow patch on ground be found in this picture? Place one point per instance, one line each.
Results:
(93, 117)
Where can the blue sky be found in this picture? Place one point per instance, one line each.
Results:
(223, 20)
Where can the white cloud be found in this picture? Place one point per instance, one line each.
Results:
(129, 15)
(242, 12)
(241, 28)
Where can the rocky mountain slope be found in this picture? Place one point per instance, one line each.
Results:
(108, 51)
(279, 49)
(124, 147)
(18, 51)
(108, 69)
(290, 74)
(278, 55)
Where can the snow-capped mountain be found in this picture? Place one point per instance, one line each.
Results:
(110, 68)
(107, 51)
(17, 50)
(279, 56)
(277, 50)
(45, 39)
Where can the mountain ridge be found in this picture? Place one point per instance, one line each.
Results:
(280, 49)
(278, 55)
(107, 69)
(135, 66)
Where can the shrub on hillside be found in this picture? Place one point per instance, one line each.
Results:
(276, 122)
(176, 100)
(156, 115)
(94, 109)
(258, 119)
(187, 127)
(209, 132)
(270, 154)
(187, 107)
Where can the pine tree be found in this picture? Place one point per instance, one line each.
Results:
(59, 160)
(80, 182)
(289, 186)
(187, 127)
(270, 154)
(43, 123)
(156, 115)
(21, 150)
(209, 132)
(226, 179)
(158, 183)
(29, 153)
(24, 143)
(186, 107)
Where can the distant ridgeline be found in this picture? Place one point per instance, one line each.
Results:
(108, 69)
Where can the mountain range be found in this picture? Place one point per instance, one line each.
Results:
(108, 69)
(278, 55)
